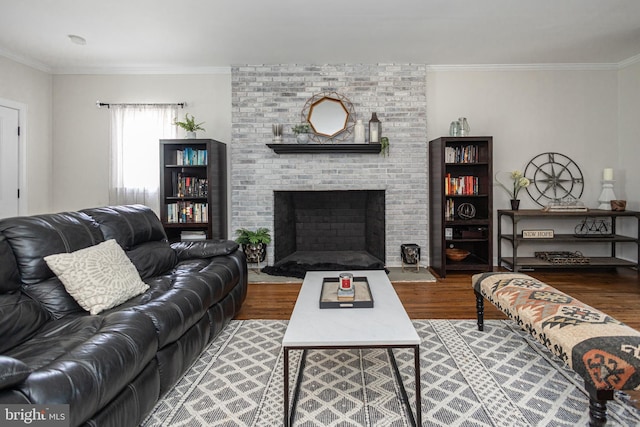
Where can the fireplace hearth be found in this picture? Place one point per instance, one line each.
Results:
(328, 230)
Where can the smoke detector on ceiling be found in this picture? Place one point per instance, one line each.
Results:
(77, 39)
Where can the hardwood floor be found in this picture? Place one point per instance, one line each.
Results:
(616, 293)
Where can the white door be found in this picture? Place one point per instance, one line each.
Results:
(8, 162)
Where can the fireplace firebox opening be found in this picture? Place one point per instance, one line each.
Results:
(329, 229)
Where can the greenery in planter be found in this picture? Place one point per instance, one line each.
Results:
(301, 128)
(246, 236)
(189, 124)
(254, 243)
(384, 142)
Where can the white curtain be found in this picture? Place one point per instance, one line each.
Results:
(135, 152)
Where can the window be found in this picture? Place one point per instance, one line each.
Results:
(135, 134)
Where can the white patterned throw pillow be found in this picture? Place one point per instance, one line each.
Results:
(98, 277)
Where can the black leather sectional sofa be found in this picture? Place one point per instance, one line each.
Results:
(112, 367)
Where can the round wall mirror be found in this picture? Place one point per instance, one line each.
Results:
(328, 116)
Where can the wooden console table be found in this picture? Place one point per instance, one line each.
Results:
(514, 238)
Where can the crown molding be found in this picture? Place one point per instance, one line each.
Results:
(143, 70)
(525, 67)
(629, 61)
(227, 69)
(25, 61)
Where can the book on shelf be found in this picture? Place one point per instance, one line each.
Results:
(461, 154)
(191, 157)
(189, 186)
(449, 210)
(187, 212)
(463, 185)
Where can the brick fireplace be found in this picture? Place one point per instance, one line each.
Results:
(266, 94)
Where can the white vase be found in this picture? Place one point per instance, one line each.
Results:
(302, 138)
(191, 135)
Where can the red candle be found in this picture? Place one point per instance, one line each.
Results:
(346, 281)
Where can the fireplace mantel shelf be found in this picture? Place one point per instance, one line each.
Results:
(325, 148)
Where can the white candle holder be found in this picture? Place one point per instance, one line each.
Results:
(606, 195)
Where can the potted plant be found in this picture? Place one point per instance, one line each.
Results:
(519, 182)
(254, 243)
(189, 125)
(384, 146)
(302, 132)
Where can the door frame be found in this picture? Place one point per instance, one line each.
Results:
(22, 151)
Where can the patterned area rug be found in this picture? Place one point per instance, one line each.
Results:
(499, 377)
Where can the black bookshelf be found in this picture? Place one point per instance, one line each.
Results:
(461, 176)
(193, 187)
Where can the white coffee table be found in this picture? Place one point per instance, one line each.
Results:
(386, 325)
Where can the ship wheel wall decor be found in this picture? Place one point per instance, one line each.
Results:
(554, 177)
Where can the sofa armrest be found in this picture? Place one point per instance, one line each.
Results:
(12, 371)
(204, 248)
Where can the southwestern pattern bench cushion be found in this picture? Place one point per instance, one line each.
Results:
(602, 350)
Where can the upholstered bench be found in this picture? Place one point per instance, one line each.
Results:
(602, 350)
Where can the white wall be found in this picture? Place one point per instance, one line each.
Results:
(81, 130)
(531, 112)
(32, 88)
(627, 173)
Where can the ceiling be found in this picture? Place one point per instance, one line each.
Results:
(191, 35)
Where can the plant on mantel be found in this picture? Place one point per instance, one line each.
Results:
(384, 146)
(301, 128)
(302, 132)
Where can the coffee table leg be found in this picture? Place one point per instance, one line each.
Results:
(286, 387)
(416, 360)
(415, 420)
(288, 417)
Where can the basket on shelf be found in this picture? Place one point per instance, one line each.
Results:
(454, 254)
